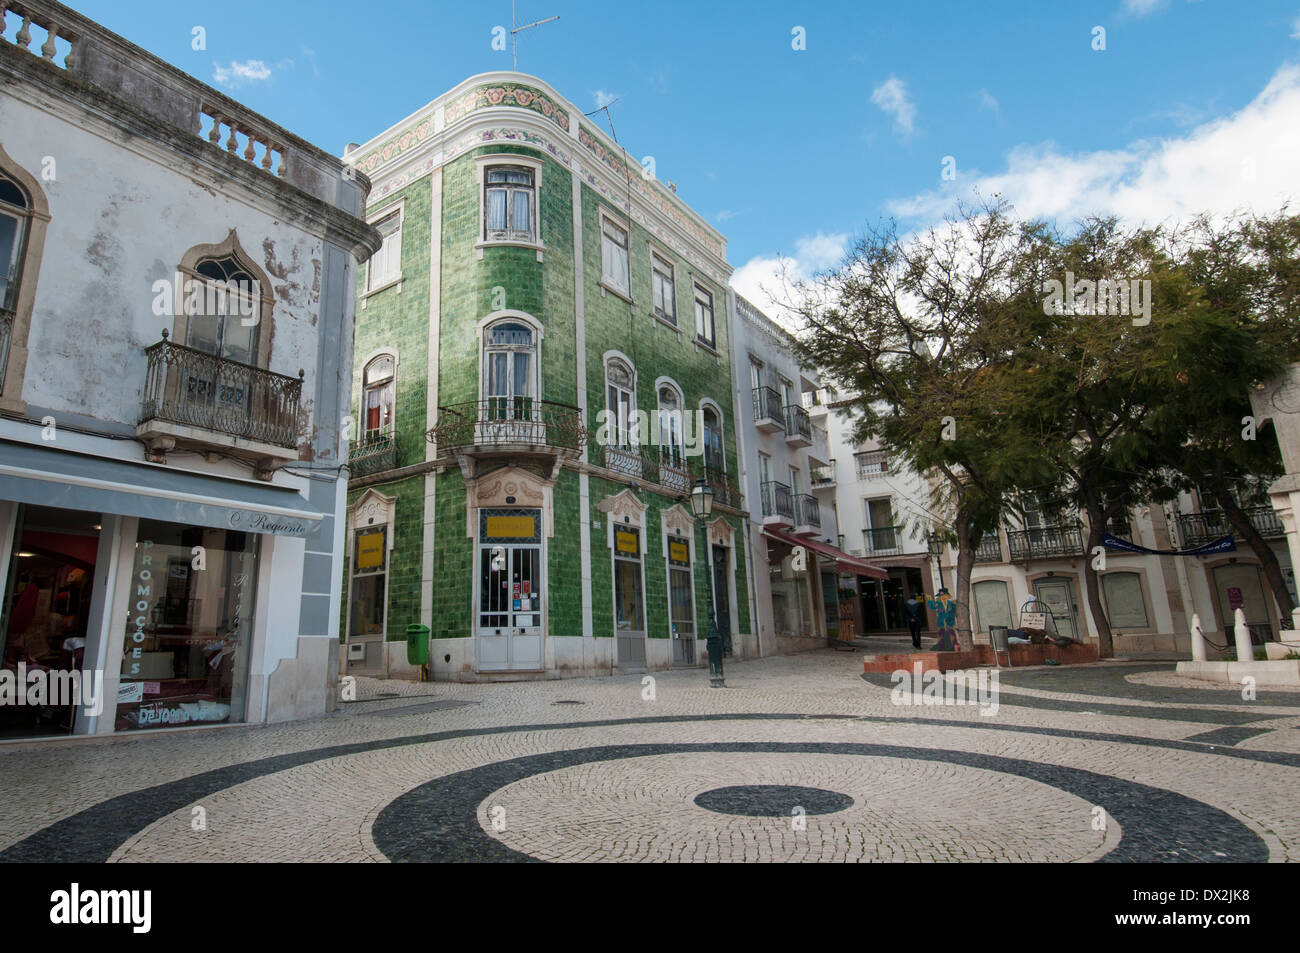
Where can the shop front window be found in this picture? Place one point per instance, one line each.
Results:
(189, 631)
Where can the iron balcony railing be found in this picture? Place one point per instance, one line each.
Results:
(989, 550)
(797, 422)
(1039, 541)
(375, 452)
(1198, 528)
(187, 386)
(883, 540)
(871, 463)
(509, 422)
(777, 500)
(807, 512)
(767, 404)
(668, 467)
(6, 332)
(824, 475)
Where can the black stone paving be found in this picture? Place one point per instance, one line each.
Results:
(772, 800)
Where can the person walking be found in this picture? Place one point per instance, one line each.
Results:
(913, 609)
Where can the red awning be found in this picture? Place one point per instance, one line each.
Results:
(844, 560)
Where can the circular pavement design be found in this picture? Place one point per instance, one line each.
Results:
(772, 800)
(454, 818)
(440, 819)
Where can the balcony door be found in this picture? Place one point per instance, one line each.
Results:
(509, 384)
(222, 322)
(629, 601)
(880, 526)
(622, 441)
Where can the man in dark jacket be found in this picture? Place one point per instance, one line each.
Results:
(914, 610)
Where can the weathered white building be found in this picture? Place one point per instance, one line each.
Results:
(798, 566)
(176, 314)
(886, 515)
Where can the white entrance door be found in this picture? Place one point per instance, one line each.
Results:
(509, 629)
(1058, 594)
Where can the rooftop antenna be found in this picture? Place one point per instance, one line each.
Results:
(516, 30)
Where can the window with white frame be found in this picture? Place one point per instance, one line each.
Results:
(704, 330)
(613, 256)
(378, 382)
(620, 437)
(713, 456)
(510, 356)
(386, 264)
(509, 204)
(661, 276)
(670, 427)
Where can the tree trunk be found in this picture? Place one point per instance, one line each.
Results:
(961, 585)
(1244, 528)
(1092, 582)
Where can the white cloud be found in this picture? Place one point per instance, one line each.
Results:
(891, 97)
(763, 279)
(236, 74)
(1244, 160)
(724, 215)
(987, 101)
(1140, 8)
(603, 98)
(1295, 29)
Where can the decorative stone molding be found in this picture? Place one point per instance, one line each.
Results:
(624, 508)
(721, 533)
(229, 247)
(38, 217)
(678, 524)
(373, 508)
(508, 486)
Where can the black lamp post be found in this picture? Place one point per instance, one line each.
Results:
(701, 509)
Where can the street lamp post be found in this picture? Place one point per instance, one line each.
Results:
(701, 509)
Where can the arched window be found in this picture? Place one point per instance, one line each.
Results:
(15, 209)
(222, 308)
(670, 424)
(713, 456)
(24, 215)
(620, 401)
(509, 370)
(377, 402)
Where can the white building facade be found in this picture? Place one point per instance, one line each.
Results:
(175, 361)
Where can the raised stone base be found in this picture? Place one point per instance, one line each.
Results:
(1231, 673)
(982, 655)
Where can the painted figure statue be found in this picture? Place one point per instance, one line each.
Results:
(944, 607)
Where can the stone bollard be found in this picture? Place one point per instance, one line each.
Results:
(1245, 651)
(1198, 640)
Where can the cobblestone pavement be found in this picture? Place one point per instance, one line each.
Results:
(799, 758)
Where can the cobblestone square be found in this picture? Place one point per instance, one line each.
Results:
(799, 758)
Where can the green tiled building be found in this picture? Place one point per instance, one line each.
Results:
(542, 373)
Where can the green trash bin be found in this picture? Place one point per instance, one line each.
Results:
(417, 645)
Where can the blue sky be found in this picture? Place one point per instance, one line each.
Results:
(1192, 104)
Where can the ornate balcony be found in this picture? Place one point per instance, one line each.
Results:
(778, 504)
(767, 410)
(725, 490)
(883, 541)
(669, 468)
(375, 452)
(989, 550)
(509, 425)
(196, 399)
(823, 477)
(1197, 528)
(1040, 542)
(807, 515)
(798, 426)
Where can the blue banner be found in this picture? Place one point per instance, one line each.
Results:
(1225, 545)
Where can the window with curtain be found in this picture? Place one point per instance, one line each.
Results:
(378, 383)
(509, 353)
(621, 402)
(14, 210)
(665, 304)
(613, 256)
(509, 206)
(1125, 606)
(704, 316)
(386, 264)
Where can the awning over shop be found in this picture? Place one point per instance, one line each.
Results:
(42, 476)
(844, 560)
